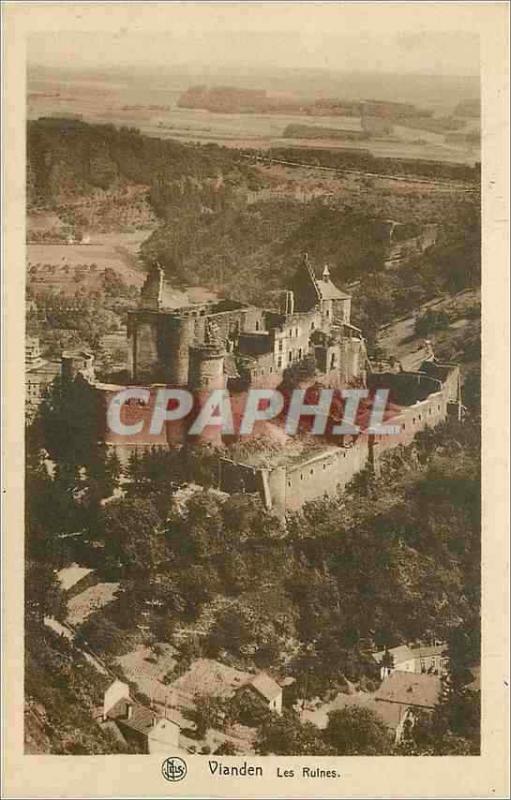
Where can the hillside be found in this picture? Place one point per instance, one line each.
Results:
(213, 217)
(68, 158)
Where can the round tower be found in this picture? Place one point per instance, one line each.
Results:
(207, 374)
(206, 367)
(178, 337)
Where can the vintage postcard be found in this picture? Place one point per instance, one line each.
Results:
(255, 519)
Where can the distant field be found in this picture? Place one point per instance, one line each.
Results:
(115, 105)
(64, 267)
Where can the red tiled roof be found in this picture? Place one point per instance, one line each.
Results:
(409, 689)
(389, 713)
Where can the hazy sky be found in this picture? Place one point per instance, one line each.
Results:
(417, 38)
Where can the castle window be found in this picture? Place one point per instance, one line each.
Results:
(312, 472)
(280, 346)
(289, 483)
(279, 362)
(301, 476)
(324, 466)
(257, 325)
(413, 421)
(290, 355)
(420, 417)
(299, 352)
(312, 325)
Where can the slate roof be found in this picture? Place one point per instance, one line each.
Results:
(266, 686)
(141, 720)
(410, 689)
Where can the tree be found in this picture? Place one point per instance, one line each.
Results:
(230, 632)
(286, 735)
(356, 730)
(101, 635)
(132, 535)
(43, 595)
(248, 709)
(387, 661)
(207, 712)
(226, 749)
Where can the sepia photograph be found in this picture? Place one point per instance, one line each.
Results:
(252, 363)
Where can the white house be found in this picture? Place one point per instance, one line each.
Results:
(268, 689)
(412, 658)
(137, 723)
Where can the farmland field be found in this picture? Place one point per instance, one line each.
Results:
(156, 113)
(63, 266)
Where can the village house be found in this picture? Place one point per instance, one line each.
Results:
(412, 658)
(134, 723)
(402, 695)
(75, 578)
(266, 689)
(215, 679)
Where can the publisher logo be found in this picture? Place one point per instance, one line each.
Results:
(174, 769)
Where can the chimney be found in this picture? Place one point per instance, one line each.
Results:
(129, 710)
(326, 273)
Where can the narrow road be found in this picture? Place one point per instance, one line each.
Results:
(69, 633)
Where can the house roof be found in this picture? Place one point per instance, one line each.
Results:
(390, 713)
(410, 689)
(210, 677)
(141, 720)
(433, 650)
(266, 686)
(400, 654)
(405, 653)
(328, 291)
(68, 576)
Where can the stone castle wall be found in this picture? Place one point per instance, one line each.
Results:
(324, 474)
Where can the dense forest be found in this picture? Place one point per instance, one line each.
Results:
(69, 157)
(221, 224)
